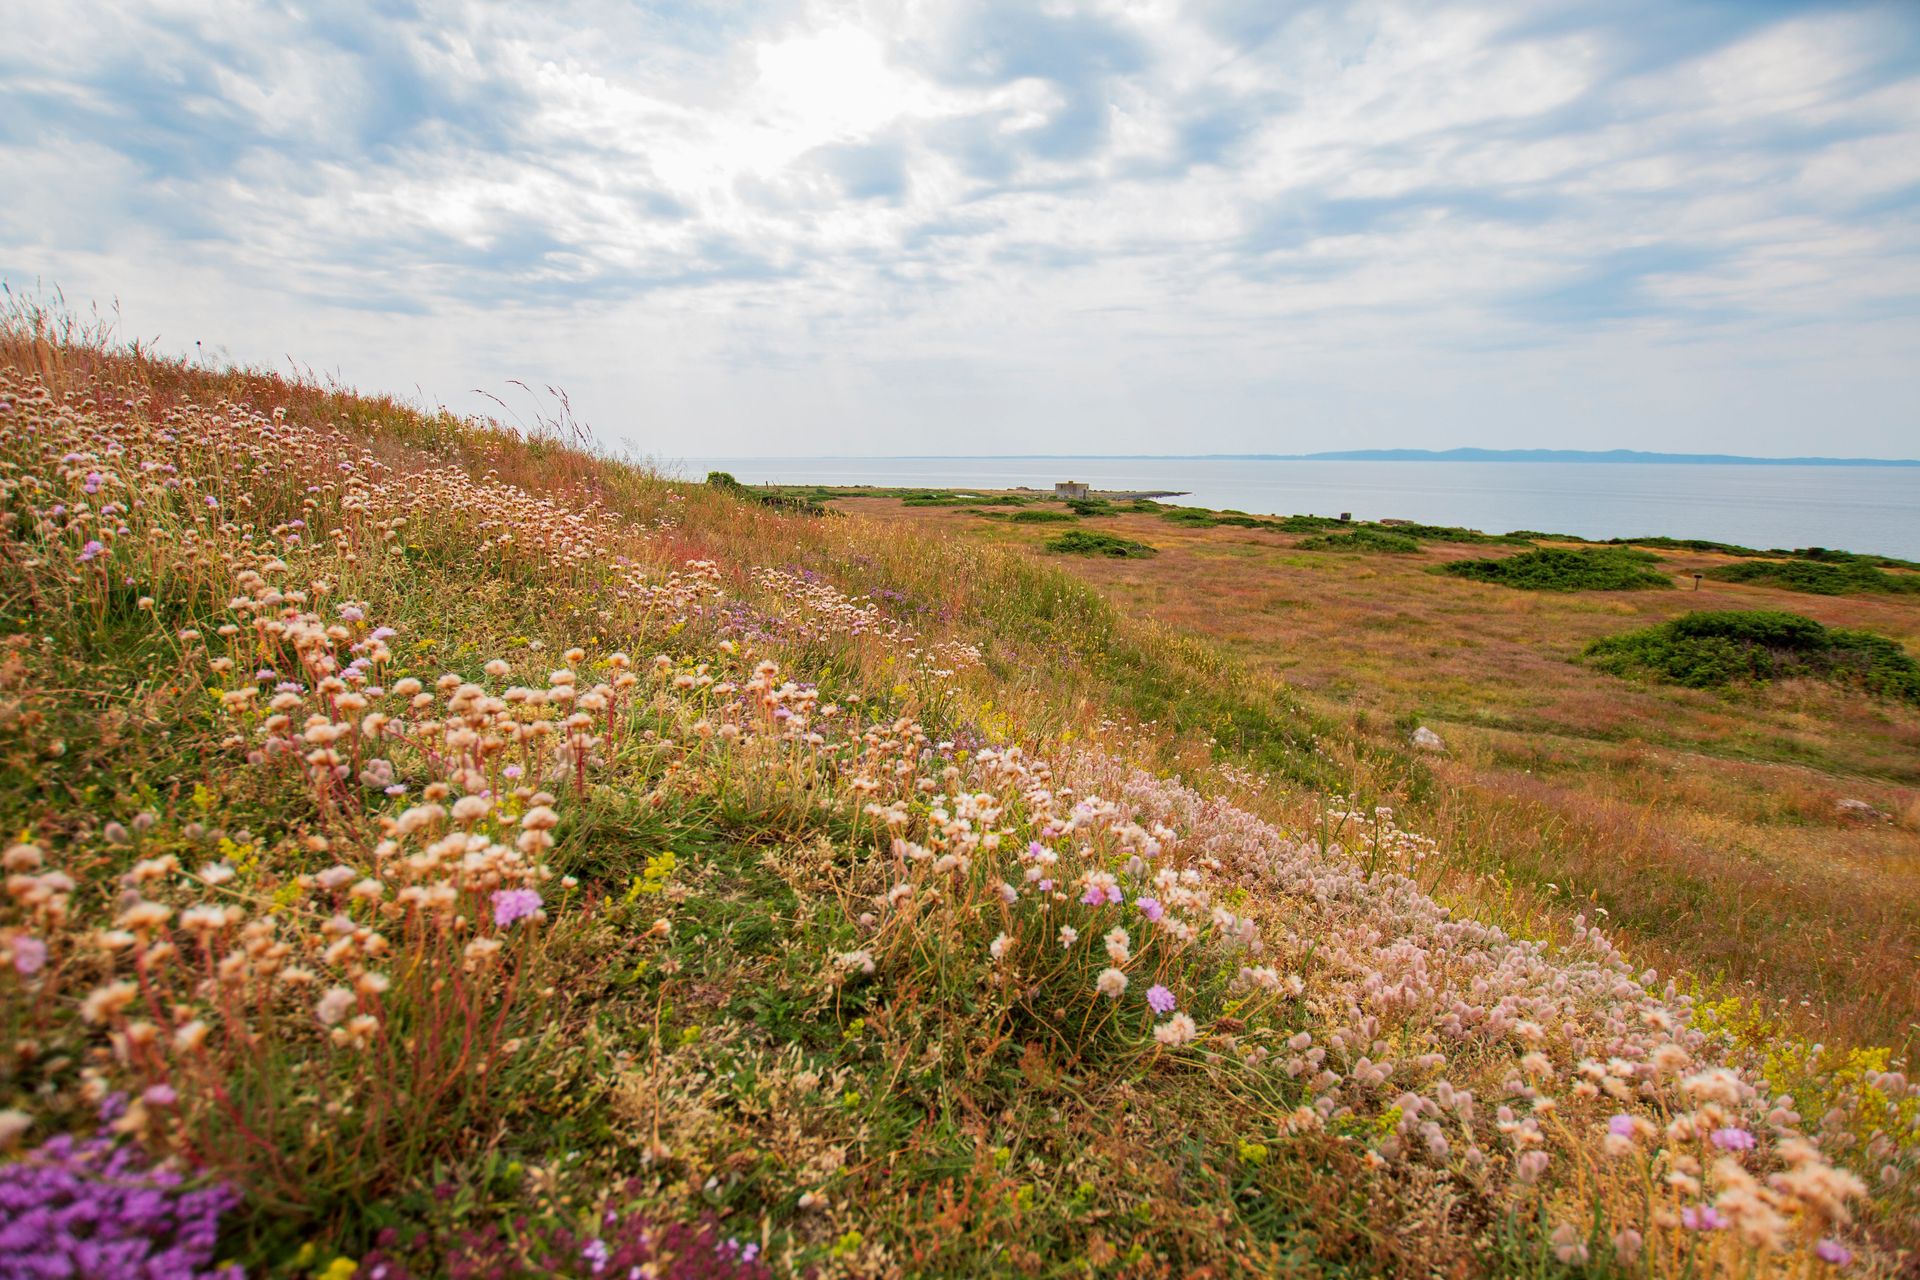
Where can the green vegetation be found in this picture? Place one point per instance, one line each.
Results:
(777, 499)
(1372, 541)
(1816, 577)
(1710, 650)
(1088, 542)
(1032, 516)
(1554, 569)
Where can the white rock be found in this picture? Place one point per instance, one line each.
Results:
(1427, 740)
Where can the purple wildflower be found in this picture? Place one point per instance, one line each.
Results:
(514, 904)
(95, 1209)
(1150, 908)
(1094, 896)
(1732, 1139)
(212, 502)
(1833, 1251)
(1702, 1217)
(1621, 1126)
(596, 1253)
(1159, 999)
(93, 548)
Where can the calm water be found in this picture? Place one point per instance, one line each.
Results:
(1849, 508)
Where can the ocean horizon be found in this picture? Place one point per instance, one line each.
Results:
(1860, 506)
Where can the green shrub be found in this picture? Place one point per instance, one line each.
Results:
(1553, 569)
(780, 500)
(1085, 542)
(1710, 650)
(1041, 517)
(1817, 577)
(1373, 541)
(1454, 533)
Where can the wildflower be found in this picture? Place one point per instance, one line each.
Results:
(1119, 945)
(190, 1036)
(1175, 1031)
(1702, 1217)
(510, 905)
(596, 1253)
(1568, 1247)
(1111, 983)
(1621, 1126)
(1733, 1139)
(29, 955)
(998, 947)
(1832, 1251)
(1627, 1244)
(1159, 999)
(1150, 908)
(103, 1003)
(1068, 936)
(215, 873)
(1530, 1166)
(856, 961)
(90, 550)
(333, 1006)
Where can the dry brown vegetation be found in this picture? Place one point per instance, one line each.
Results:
(1707, 826)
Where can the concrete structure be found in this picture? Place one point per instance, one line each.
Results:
(1069, 489)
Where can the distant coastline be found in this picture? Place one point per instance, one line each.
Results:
(1370, 455)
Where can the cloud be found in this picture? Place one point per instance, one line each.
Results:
(1068, 211)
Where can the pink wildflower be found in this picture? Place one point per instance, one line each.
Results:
(1703, 1217)
(1834, 1252)
(1159, 999)
(514, 904)
(1150, 908)
(29, 955)
(1732, 1139)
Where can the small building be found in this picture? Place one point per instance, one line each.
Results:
(1070, 490)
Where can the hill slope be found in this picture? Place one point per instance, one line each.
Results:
(459, 853)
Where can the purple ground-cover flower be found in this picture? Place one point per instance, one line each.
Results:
(96, 1211)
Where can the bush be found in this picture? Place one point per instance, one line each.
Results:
(1084, 542)
(1373, 541)
(1710, 650)
(1553, 569)
(1032, 517)
(1816, 577)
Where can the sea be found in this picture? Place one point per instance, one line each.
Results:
(1850, 508)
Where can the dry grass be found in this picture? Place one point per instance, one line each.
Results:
(1705, 826)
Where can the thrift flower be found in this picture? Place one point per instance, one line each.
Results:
(1703, 1217)
(1111, 983)
(1834, 1252)
(1159, 999)
(1068, 936)
(29, 955)
(1732, 1139)
(1150, 908)
(1176, 1031)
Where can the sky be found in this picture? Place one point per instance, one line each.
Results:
(800, 227)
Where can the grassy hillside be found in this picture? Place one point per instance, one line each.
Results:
(434, 850)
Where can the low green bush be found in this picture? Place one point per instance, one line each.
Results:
(1372, 541)
(1711, 650)
(1554, 569)
(1085, 542)
(1029, 517)
(1817, 577)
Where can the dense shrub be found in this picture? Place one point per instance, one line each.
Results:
(799, 503)
(1031, 517)
(1713, 649)
(1374, 541)
(1554, 569)
(1084, 542)
(1816, 577)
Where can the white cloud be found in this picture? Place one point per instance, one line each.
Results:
(967, 225)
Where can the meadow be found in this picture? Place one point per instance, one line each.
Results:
(435, 848)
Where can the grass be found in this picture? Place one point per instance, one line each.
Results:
(1714, 649)
(1560, 569)
(1818, 577)
(477, 854)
